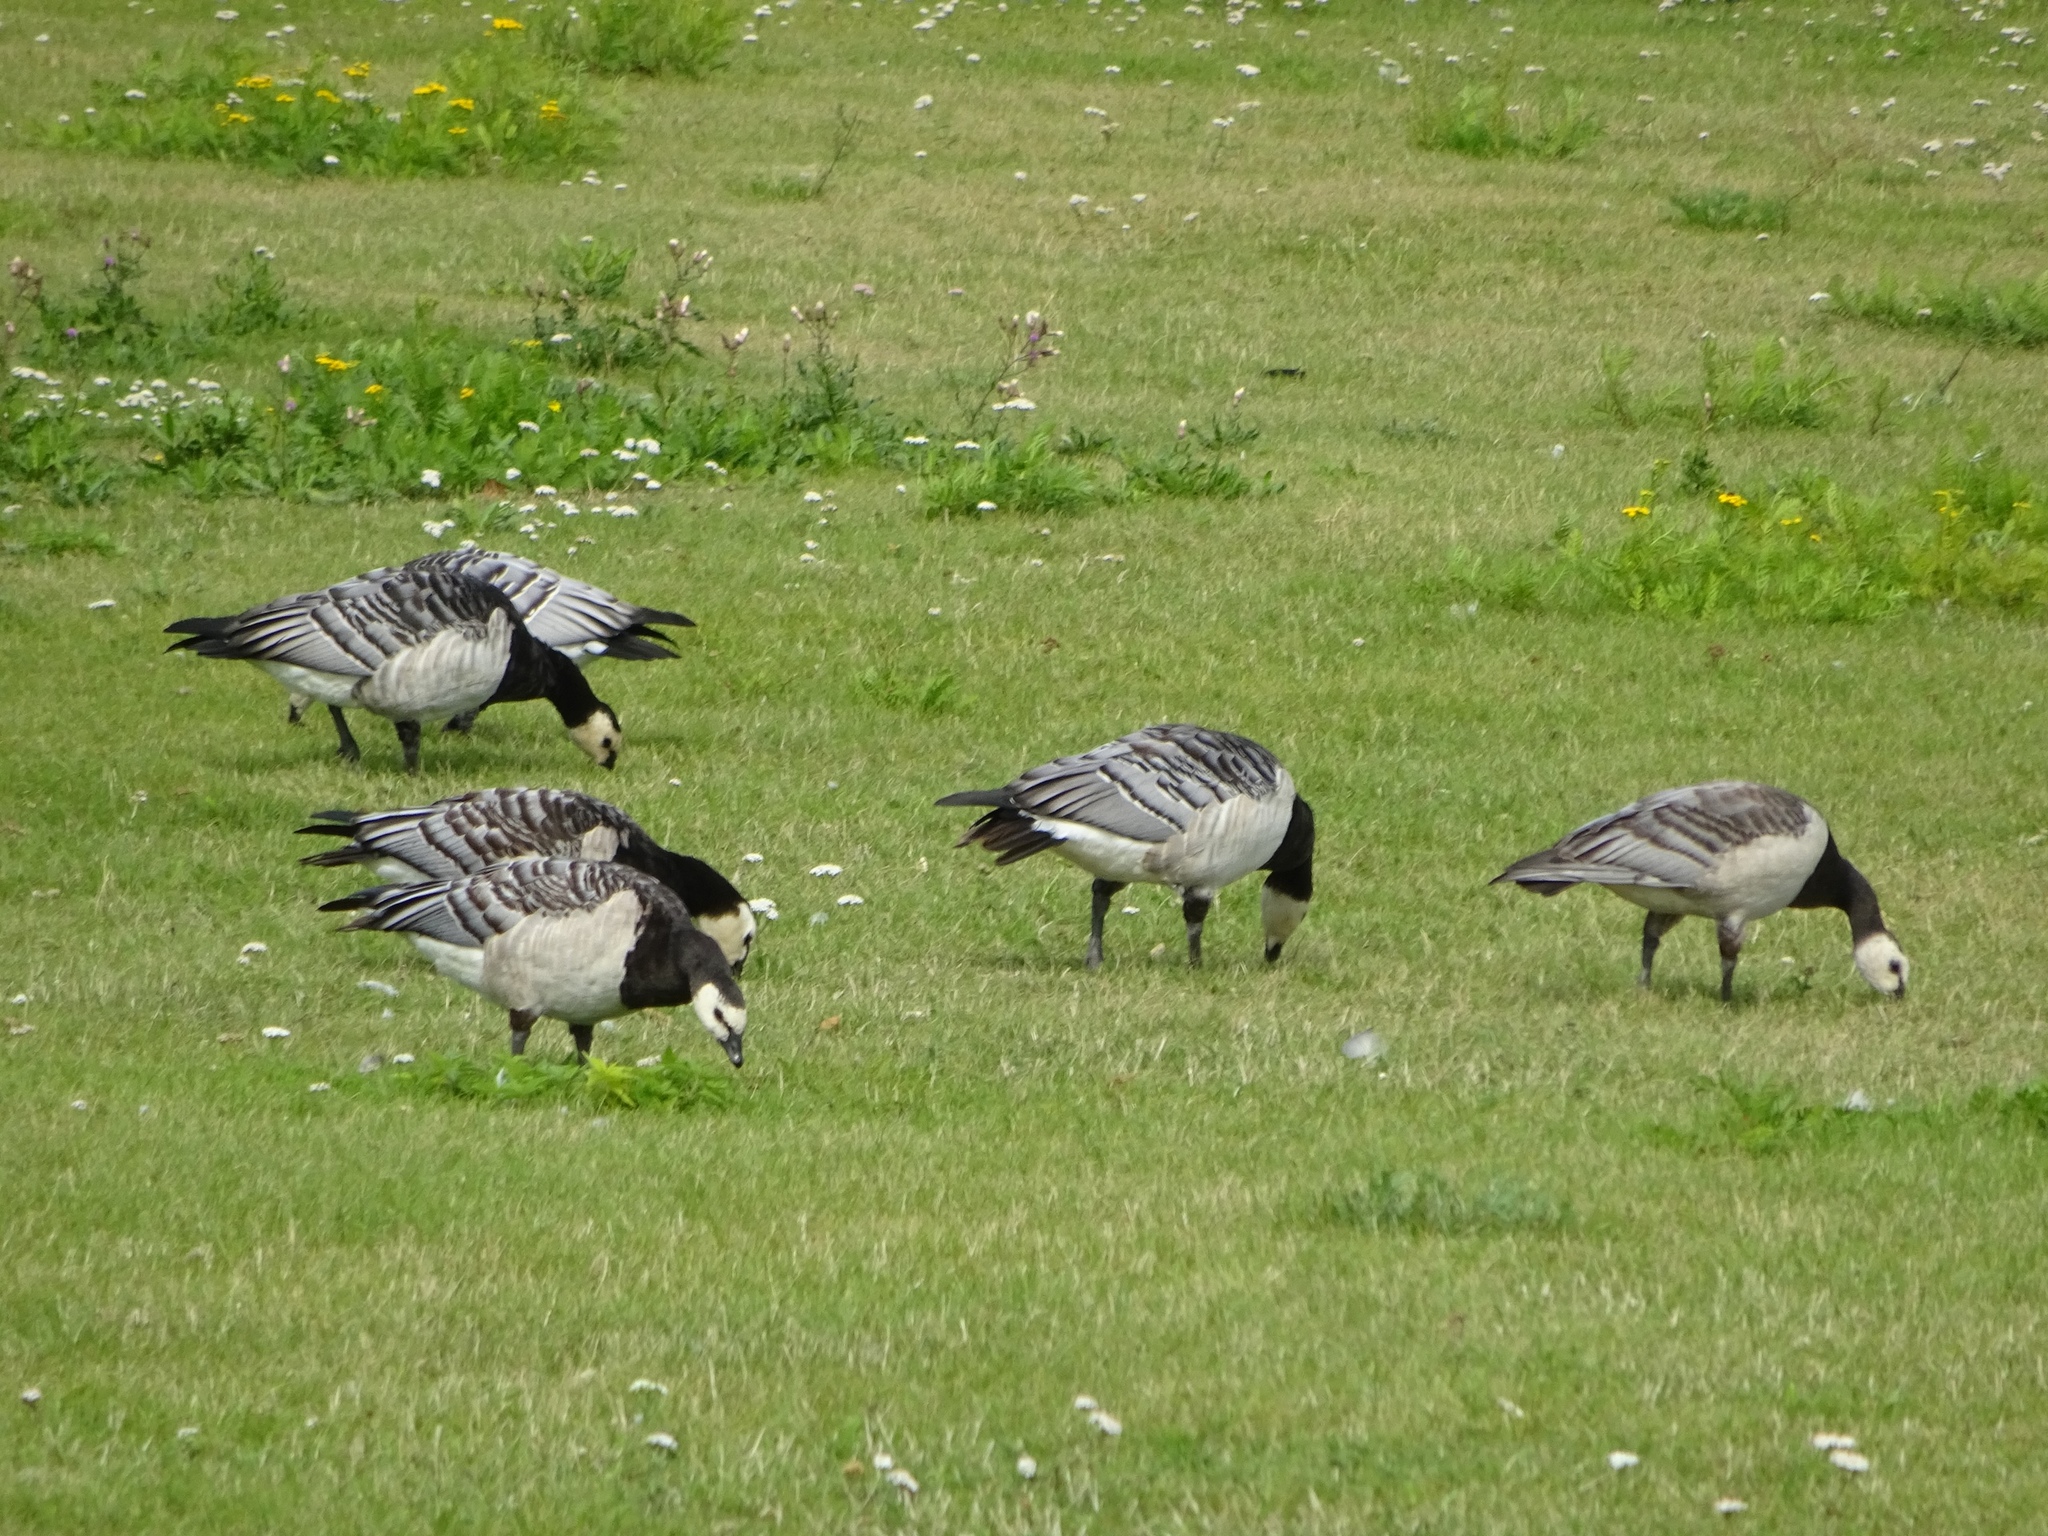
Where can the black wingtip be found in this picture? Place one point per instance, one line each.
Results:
(999, 798)
(663, 616)
(356, 901)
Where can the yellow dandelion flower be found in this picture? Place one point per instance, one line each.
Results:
(1790, 522)
(358, 71)
(431, 88)
(458, 130)
(238, 117)
(466, 103)
(554, 405)
(467, 392)
(507, 24)
(333, 364)
(284, 96)
(529, 343)
(1731, 499)
(551, 112)
(373, 389)
(255, 82)
(323, 94)
(1632, 513)
(1813, 538)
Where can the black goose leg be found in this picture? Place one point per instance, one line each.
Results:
(1731, 951)
(1098, 910)
(580, 1033)
(1194, 911)
(409, 739)
(348, 751)
(1655, 926)
(294, 712)
(461, 724)
(522, 1026)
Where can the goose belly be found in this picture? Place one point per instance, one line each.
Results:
(568, 966)
(462, 965)
(451, 673)
(304, 683)
(1753, 880)
(1222, 843)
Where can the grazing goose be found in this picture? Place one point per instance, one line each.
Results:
(1729, 850)
(564, 939)
(466, 834)
(410, 646)
(1173, 805)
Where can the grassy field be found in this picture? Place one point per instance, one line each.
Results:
(960, 1180)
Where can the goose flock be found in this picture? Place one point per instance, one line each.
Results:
(553, 904)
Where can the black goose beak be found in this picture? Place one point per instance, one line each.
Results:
(735, 1050)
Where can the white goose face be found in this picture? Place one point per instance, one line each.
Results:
(1281, 914)
(732, 932)
(1883, 964)
(726, 1021)
(600, 736)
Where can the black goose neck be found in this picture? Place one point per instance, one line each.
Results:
(1293, 862)
(703, 889)
(1835, 882)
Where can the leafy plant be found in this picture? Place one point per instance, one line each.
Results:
(690, 38)
(933, 696)
(253, 299)
(671, 1083)
(490, 108)
(2013, 314)
(1025, 475)
(1727, 208)
(1480, 121)
(1400, 1201)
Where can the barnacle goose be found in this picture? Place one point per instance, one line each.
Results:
(411, 646)
(566, 939)
(465, 834)
(1730, 851)
(1174, 805)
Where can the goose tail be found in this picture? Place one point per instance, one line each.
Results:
(1546, 874)
(358, 901)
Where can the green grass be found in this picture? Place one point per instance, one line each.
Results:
(1305, 1285)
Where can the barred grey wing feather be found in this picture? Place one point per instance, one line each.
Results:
(1668, 839)
(558, 610)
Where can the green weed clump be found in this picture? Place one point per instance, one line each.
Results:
(690, 38)
(494, 107)
(1026, 474)
(1480, 121)
(1775, 387)
(671, 1083)
(1802, 550)
(1400, 1201)
(2011, 314)
(1726, 208)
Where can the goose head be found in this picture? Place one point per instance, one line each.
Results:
(600, 735)
(1284, 901)
(720, 1006)
(1881, 962)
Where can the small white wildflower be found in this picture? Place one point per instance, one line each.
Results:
(227, 15)
(1727, 1506)
(896, 1477)
(32, 1395)
(1818, 298)
(402, 1059)
(431, 479)
(1826, 1441)
(1248, 70)
(643, 1384)
(1105, 1423)
(826, 871)
(319, 1087)
(1621, 1461)
(750, 858)
(1511, 1408)
(1364, 1046)
(330, 159)
(1027, 1468)
(1557, 450)
(921, 104)
(187, 1431)
(884, 1461)
(1850, 1461)
(1857, 1103)
(276, 1032)
(965, 445)
(852, 901)
(1085, 1404)
(255, 947)
(381, 988)
(100, 606)
(659, 1441)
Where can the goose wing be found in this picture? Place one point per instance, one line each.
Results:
(558, 610)
(470, 832)
(470, 911)
(1666, 840)
(1150, 784)
(349, 629)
